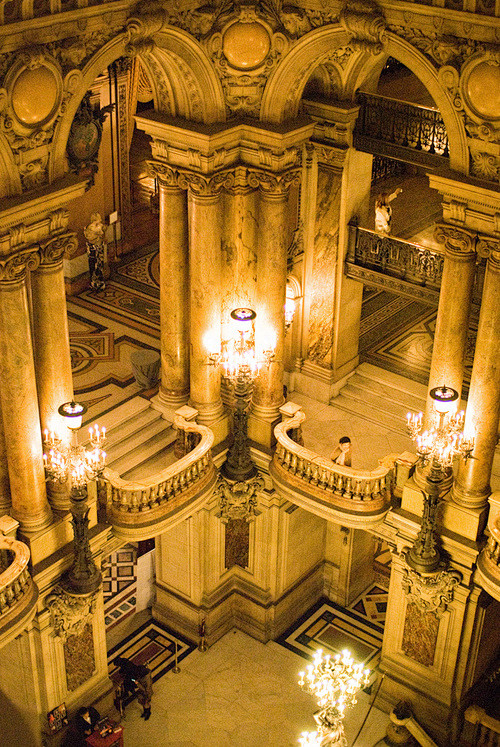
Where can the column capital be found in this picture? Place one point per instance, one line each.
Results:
(52, 250)
(13, 267)
(274, 184)
(166, 175)
(458, 242)
(489, 247)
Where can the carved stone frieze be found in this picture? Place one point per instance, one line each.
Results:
(457, 241)
(365, 23)
(430, 593)
(53, 249)
(13, 268)
(238, 500)
(70, 614)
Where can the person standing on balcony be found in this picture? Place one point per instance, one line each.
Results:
(342, 453)
(383, 211)
(94, 234)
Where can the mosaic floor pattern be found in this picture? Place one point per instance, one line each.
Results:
(151, 644)
(332, 628)
(119, 585)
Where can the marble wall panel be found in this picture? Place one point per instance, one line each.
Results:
(420, 635)
(322, 288)
(79, 658)
(237, 543)
(304, 544)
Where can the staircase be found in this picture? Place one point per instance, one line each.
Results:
(381, 397)
(137, 439)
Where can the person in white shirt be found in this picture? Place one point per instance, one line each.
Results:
(383, 211)
(342, 452)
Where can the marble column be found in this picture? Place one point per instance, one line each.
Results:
(5, 500)
(174, 285)
(205, 236)
(54, 379)
(472, 486)
(450, 337)
(271, 283)
(18, 395)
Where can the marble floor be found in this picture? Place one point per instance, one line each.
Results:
(239, 693)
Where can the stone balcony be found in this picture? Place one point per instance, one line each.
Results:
(141, 510)
(351, 497)
(18, 592)
(488, 563)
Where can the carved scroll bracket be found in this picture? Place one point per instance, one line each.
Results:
(53, 249)
(238, 500)
(430, 593)
(458, 242)
(70, 614)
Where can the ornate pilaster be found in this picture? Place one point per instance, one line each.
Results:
(271, 276)
(472, 486)
(19, 395)
(174, 282)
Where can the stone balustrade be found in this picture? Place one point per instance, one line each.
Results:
(353, 497)
(139, 510)
(488, 563)
(18, 593)
(486, 729)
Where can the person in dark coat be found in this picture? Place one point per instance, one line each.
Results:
(137, 680)
(86, 718)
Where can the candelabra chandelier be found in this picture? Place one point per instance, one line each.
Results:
(240, 366)
(79, 465)
(437, 447)
(70, 460)
(335, 682)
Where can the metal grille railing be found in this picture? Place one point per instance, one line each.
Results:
(401, 123)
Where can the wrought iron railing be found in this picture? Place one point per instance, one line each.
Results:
(410, 262)
(401, 123)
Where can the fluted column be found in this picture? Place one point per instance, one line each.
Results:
(450, 337)
(174, 296)
(271, 284)
(205, 232)
(472, 486)
(19, 395)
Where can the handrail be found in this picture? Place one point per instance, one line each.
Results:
(485, 725)
(15, 580)
(133, 497)
(358, 487)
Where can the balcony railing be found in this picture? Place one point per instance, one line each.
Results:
(405, 127)
(139, 510)
(486, 730)
(356, 498)
(18, 593)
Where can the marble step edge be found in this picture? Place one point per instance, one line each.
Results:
(130, 427)
(152, 466)
(393, 380)
(139, 456)
(121, 414)
(378, 417)
(362, 389)
(137, 438)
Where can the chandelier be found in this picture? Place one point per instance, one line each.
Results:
(438, 446)
(445, 440)
(70, 460)
(334, 681)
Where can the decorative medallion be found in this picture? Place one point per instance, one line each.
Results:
(85, 137)
(246, 45)
(430, 593)
(238, 500)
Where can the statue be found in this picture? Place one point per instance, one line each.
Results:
(94, 234)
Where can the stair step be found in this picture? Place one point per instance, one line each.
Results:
(122, 414)
(144, 452)
(152, 466)
(131, 427)
(372, 415)
(367, 392)
(136, 438)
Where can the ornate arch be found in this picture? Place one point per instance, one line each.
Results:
(284, 88)
(185, 84)
(428, 74)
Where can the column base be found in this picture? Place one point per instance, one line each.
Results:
(215, 417)
(469, 498)
(168, 405)
(34, 524)
(261, 429)
(58, 495)
(319, 383)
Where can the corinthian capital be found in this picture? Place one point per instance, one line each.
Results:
(53, 249)
(13, 267)
(458, 242)
(206, 185)
(489, 247)
(274, 184)
(166, 175)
